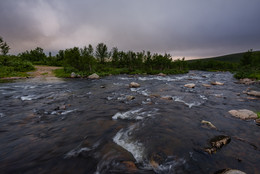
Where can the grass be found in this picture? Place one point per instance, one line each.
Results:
(258, 114)
(61, 73)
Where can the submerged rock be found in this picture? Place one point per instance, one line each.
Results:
(73, 75)
(243, 114)
(93, 76)
(190, 85)
(217, 83)
(209, 124)
(130, 166)
(134, 85)
(217, 143)
(230, 171)
(254, 93)
(206, 85)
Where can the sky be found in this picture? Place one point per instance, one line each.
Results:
(183, 28)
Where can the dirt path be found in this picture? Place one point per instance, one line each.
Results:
(44, 71)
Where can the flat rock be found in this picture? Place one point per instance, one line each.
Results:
(206, 85)
(217, 83)
(190, 85)
(254, 93)
(134, 85)
(93, 76)
(243, 114)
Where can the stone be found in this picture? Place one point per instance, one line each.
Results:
(206, 85)
(93, 76)
(134, 85)
(130, 165)
(257, 121)
(190, 85)
(63, 107)
(209, 124)
(254, 93)
(130, 97)
(217, 83)
(246, 81)
(73, 75)
(166, 98)
(161, 74)
(217, 143)
(243, 114)
(230, 171)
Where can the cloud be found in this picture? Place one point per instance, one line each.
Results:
(199, 28)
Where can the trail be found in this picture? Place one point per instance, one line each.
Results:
(44, 71)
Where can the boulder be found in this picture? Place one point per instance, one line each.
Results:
(73, 75)
(217, 83)
(254, 93)
(93, 76)
(161, 74)
(190, 85)
(206, 85)
(209, 124)
(230, 171)
(134, 85)
(257, 121)
(243, 114)
(166, 98)
(217, 143)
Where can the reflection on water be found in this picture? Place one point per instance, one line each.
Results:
(93, 126)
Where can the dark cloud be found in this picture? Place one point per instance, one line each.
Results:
(183, 28)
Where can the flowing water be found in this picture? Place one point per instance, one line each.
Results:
(91, 126)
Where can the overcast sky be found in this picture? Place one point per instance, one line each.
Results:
(183, 28)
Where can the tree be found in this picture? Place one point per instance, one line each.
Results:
(101, 52)
(115, 56)
(247, 58)
(4, 47)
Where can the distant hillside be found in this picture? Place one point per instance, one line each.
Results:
(228, 58)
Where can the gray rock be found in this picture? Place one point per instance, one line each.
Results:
(232, 171)
(243, 114)
(93, 76)
(73, 75)
(134, 85)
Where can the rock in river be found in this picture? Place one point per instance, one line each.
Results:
(230, 171)
(73, 75)
(161, 74)
(243, 114)
(254, 93)
(209, 124)
(206, 85)
(217, 83)
(246, 81)
(217, 143)
(93, 76)
(130, 97)
(190, 85)
(134, 85)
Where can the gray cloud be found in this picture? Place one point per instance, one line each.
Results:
(196, 28)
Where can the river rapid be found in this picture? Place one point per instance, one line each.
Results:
(95, 126)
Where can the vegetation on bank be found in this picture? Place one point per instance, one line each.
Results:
(87, 60)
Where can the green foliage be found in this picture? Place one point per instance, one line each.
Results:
(4, 48)
(13, 66)
(258, 114)
(101, 52)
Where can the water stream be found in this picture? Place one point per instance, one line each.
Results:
(91, 126)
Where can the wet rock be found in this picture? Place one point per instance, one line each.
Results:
(129, 165)
(161, 74)
(243, 114)
(217, 143)
(246, 81)
(230, 171)
(102, 86)
(73, 75)
(134, 85)
(155, 95)
(156, 159)
(217, 83)
(93, 76)
(130, 97)
(190, 85)
(63, 107)
(209, 124)
(254, 93)
(166, 98)
(206, 85)
(257, 121)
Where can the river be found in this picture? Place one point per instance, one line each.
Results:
(95, 126)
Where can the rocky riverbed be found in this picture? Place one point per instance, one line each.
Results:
(165, 124)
